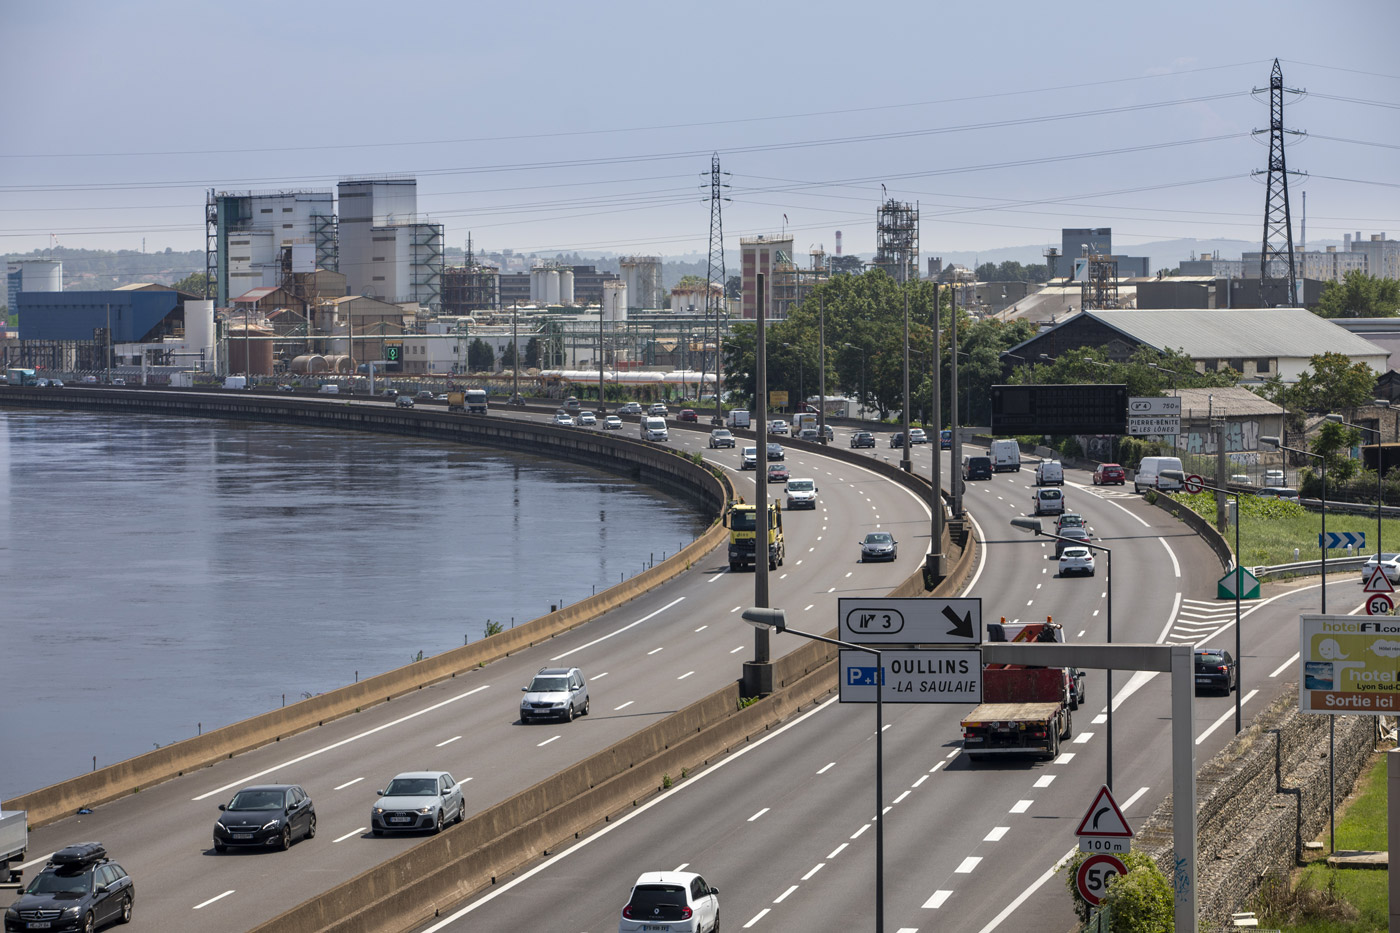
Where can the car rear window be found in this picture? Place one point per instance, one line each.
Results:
(657, 902)
(1210, 659)
(979, 462)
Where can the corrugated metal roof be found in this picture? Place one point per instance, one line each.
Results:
(1215, 332)
(255, 294)
(1226, 402)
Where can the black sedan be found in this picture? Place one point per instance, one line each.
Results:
(775, 451)
(862, 439)
(878, 545)
(1216, 669)
(79, 889)
(267, 816)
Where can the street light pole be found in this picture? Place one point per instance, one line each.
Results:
(861, 351)
(1033, 525)
(905, 463)
(821, 368)
(765, 619)
(955, 447)
(1380, 472)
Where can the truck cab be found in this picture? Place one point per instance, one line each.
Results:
(742, 522)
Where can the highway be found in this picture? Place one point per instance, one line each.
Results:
(644, 661)
(784, 828)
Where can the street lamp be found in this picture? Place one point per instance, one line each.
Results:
(1180, 476)
(861, 351)
(776, 620)
(801, 395)
(1033, 525)
(1380, 472)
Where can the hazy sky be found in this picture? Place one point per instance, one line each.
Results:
(555, 126)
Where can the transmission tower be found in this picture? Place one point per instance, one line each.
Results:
(1277, 251)
(712, 300)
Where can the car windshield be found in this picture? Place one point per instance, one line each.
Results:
(800, 485)
(256, 800)
(775, 467)
(411, 787)
(721, 433)
(750, 451)
(1070, 520)
(52, 882)
(1384, 557)
(549, 684)
(878, 537)
(657, 901)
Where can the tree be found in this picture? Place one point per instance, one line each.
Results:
(1141, 901)
(480, 357)
(987, 272)
(734, 287)
(508, 355)
(846, 265)
(193, 284)
(1360, 295)
(1332, 383)
(1333, 443)
(532, 353)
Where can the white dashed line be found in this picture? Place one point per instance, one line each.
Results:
(968, 864)
(1083, 737)
(758, 814)
(757, 917)
(547, 741)
(818, 867)
(348, 835)
(1285, 666)
(837, 851)
(937, 900)
(1021, 806)
(654, 650)
(685, 675)
(1045, 780)
(213, 899)
(624, 705)
(702, 628)
(348, 783)
(826, 767)
(996, 834)
(784, 896)
(857, 833)
(447, 742)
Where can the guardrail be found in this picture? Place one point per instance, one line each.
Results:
(1305, 568)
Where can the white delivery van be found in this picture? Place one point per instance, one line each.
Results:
(1005, 454)
(1050, 473)
(1149, 474)
(235, 382)
(654, 429)
(738, 418)
(329, 388)
(1048, 501)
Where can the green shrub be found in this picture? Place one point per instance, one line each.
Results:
(493, 628)
(1141, 901)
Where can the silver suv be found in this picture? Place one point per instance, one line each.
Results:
(555, 693)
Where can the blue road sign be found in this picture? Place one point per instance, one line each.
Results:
(1334, 540)
(861, 676)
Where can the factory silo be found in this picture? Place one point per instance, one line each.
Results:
(615, 301)
(566, 286)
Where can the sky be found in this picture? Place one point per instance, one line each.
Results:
(559, 127)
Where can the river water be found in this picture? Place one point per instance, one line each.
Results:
(163, 575)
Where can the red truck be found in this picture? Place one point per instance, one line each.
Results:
(1025, 710)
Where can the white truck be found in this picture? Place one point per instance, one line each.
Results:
(738, 418)
(803, 419)
(14, 840)
(476, 401)
(235, 382)
(1006, 455)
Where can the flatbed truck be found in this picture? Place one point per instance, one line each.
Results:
(1025, 710)
(14, 840)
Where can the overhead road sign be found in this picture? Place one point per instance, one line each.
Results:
(1378, 582)
(910, 621)
(1154, 417)
(1334, 540)
(1349, 664)
(1094, 874)
(1059, 409)
(1379, 604)
(1104, 828)
(1247, 582)
(929, 675)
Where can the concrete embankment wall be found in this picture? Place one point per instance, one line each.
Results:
(647, 462)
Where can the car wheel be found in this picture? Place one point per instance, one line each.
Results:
(569, 712)
(285, 842)
(715, 928)
(125, 916)
(377, 832)
(89, 923)
(461, 811)
(220, 847)
(585, 705)
(437, 827)
(311, 827)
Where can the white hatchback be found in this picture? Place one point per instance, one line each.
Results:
(672, 901)
(1076, 560)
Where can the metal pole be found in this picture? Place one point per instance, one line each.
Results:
(904, 462)
(1109, 682)
(934, 568)
(821, 368)
(880, 795)
(602, 405)
(955, 448)
(761, 652)
(1239, 650)
(1183, 789)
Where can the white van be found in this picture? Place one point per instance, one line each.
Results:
(1050, 473)
(1048, 501)
(1006, 455)
(1149, 474)
(738, 418)
(329, 388)
(654, 429)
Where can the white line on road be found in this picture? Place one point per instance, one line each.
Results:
(857, 833)
(1021, 898)
(900, 798)
(756, 917)
(1133, 799)
(922, 778)
(619, 631)
(654, 650)
(1083, 737)
(938, 898)
(1100, 719)
(1021, 806)
(702, 628)
(996, 834)
(353, 832)
(1224, 716)
(1065, 758)
(600, 676)
(818, 867)
(837, 851)
(784, 896)
(1285, 665)
(809, 608)
(547, 741)
(826, 767)
(624, 705)
(1045, 780)
(968, 864)
(213, 899)
(447, 742)
(312, 754)
(1176, 567)
(685, 675)
(348, 783)
(737, 650)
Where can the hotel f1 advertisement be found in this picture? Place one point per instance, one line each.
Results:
(1350, 664)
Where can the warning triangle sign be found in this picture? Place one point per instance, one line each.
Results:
(1103, 818)
(1378, 582)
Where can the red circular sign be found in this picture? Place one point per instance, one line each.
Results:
(1193, 483)
(1094, 874)
(1379, 604)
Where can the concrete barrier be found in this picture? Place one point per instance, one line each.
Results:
(1205, 529)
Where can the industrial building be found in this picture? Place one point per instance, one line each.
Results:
(387, 250)
(249, 231)
(134, 325)
(1078, 242)
(32, 275)
(643, 277)
(784, 284)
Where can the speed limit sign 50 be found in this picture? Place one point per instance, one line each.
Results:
(1094, 874)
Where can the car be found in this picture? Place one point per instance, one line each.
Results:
(1274, 478)
(1047, 501)
(118, 381)
(630, 408)
(266, 816)
(612, 423)
(809, 435)
(587, 418)
(777, 473)
(897, 439)
(1278, 492)
(440, 397)
(329, 388)
(390, 393)
(673, 901)
(775, 451)
(56, 383)
(976, 467)
(917, 436)
(801, 493)
(517, 399)
(657, 410)
(862, 439)
(878, 545)
(945, 440)
(41, 383)
(554, 693)
(89, 380)
(777, 426)
(424, 395)
(1390, 563)
(403, 401)
(285, 387)
(1217, 669)
(1075, 534)
(417, 800)
(572, 405)
(1050, 473)
(748, 458)
(79, 888)
(1075, 559)
(562, 419)
(1109, 474)
(721, 437)
(1068, 520)
(687, 414)
(827, 433)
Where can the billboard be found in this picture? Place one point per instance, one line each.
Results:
(1059, 409)
(1349, 664)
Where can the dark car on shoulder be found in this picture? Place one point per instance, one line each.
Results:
(267, 816)
(1216, 670)
(79, 889)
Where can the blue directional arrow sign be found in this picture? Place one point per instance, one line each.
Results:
(1334, 540)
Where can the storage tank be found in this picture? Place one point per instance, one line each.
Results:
(614, 301)
(551, 287)
(199, 327)
(538, 288)
(40, 275)
(566, 286)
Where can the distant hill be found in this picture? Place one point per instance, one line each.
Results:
(97, 270)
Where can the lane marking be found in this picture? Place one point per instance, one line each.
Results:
(1065, 758)
(937, 900)
(334, 745)
(901, 797)
(968, 864)
(600, 676)
(737, 650)
(685, 675)
(1021, 898)
(1285, 665)
(757, 815)
(996, 834)
(1100, 719)
(756, 917)
(1133, 799)
(211, 900)
(1083, 737)
(448, 742)
(1176, 567)
(1021, 806)
(856, 834)
(354, 832)
(624, 705)
(809, 608)
(837, 851)
(1045, 780)
(784, 896)
(922, 778)
(619, 631)
(1224, 716)
(547, 741)
(819, 866)
(348, 783)
(702, 628)
(654, 650)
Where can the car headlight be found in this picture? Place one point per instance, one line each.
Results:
(379, 811)
(272, 824)
(427, 809)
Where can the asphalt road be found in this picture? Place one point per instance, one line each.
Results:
(644, 661)
(785, 829)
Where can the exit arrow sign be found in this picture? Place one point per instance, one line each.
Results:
(911, 621)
